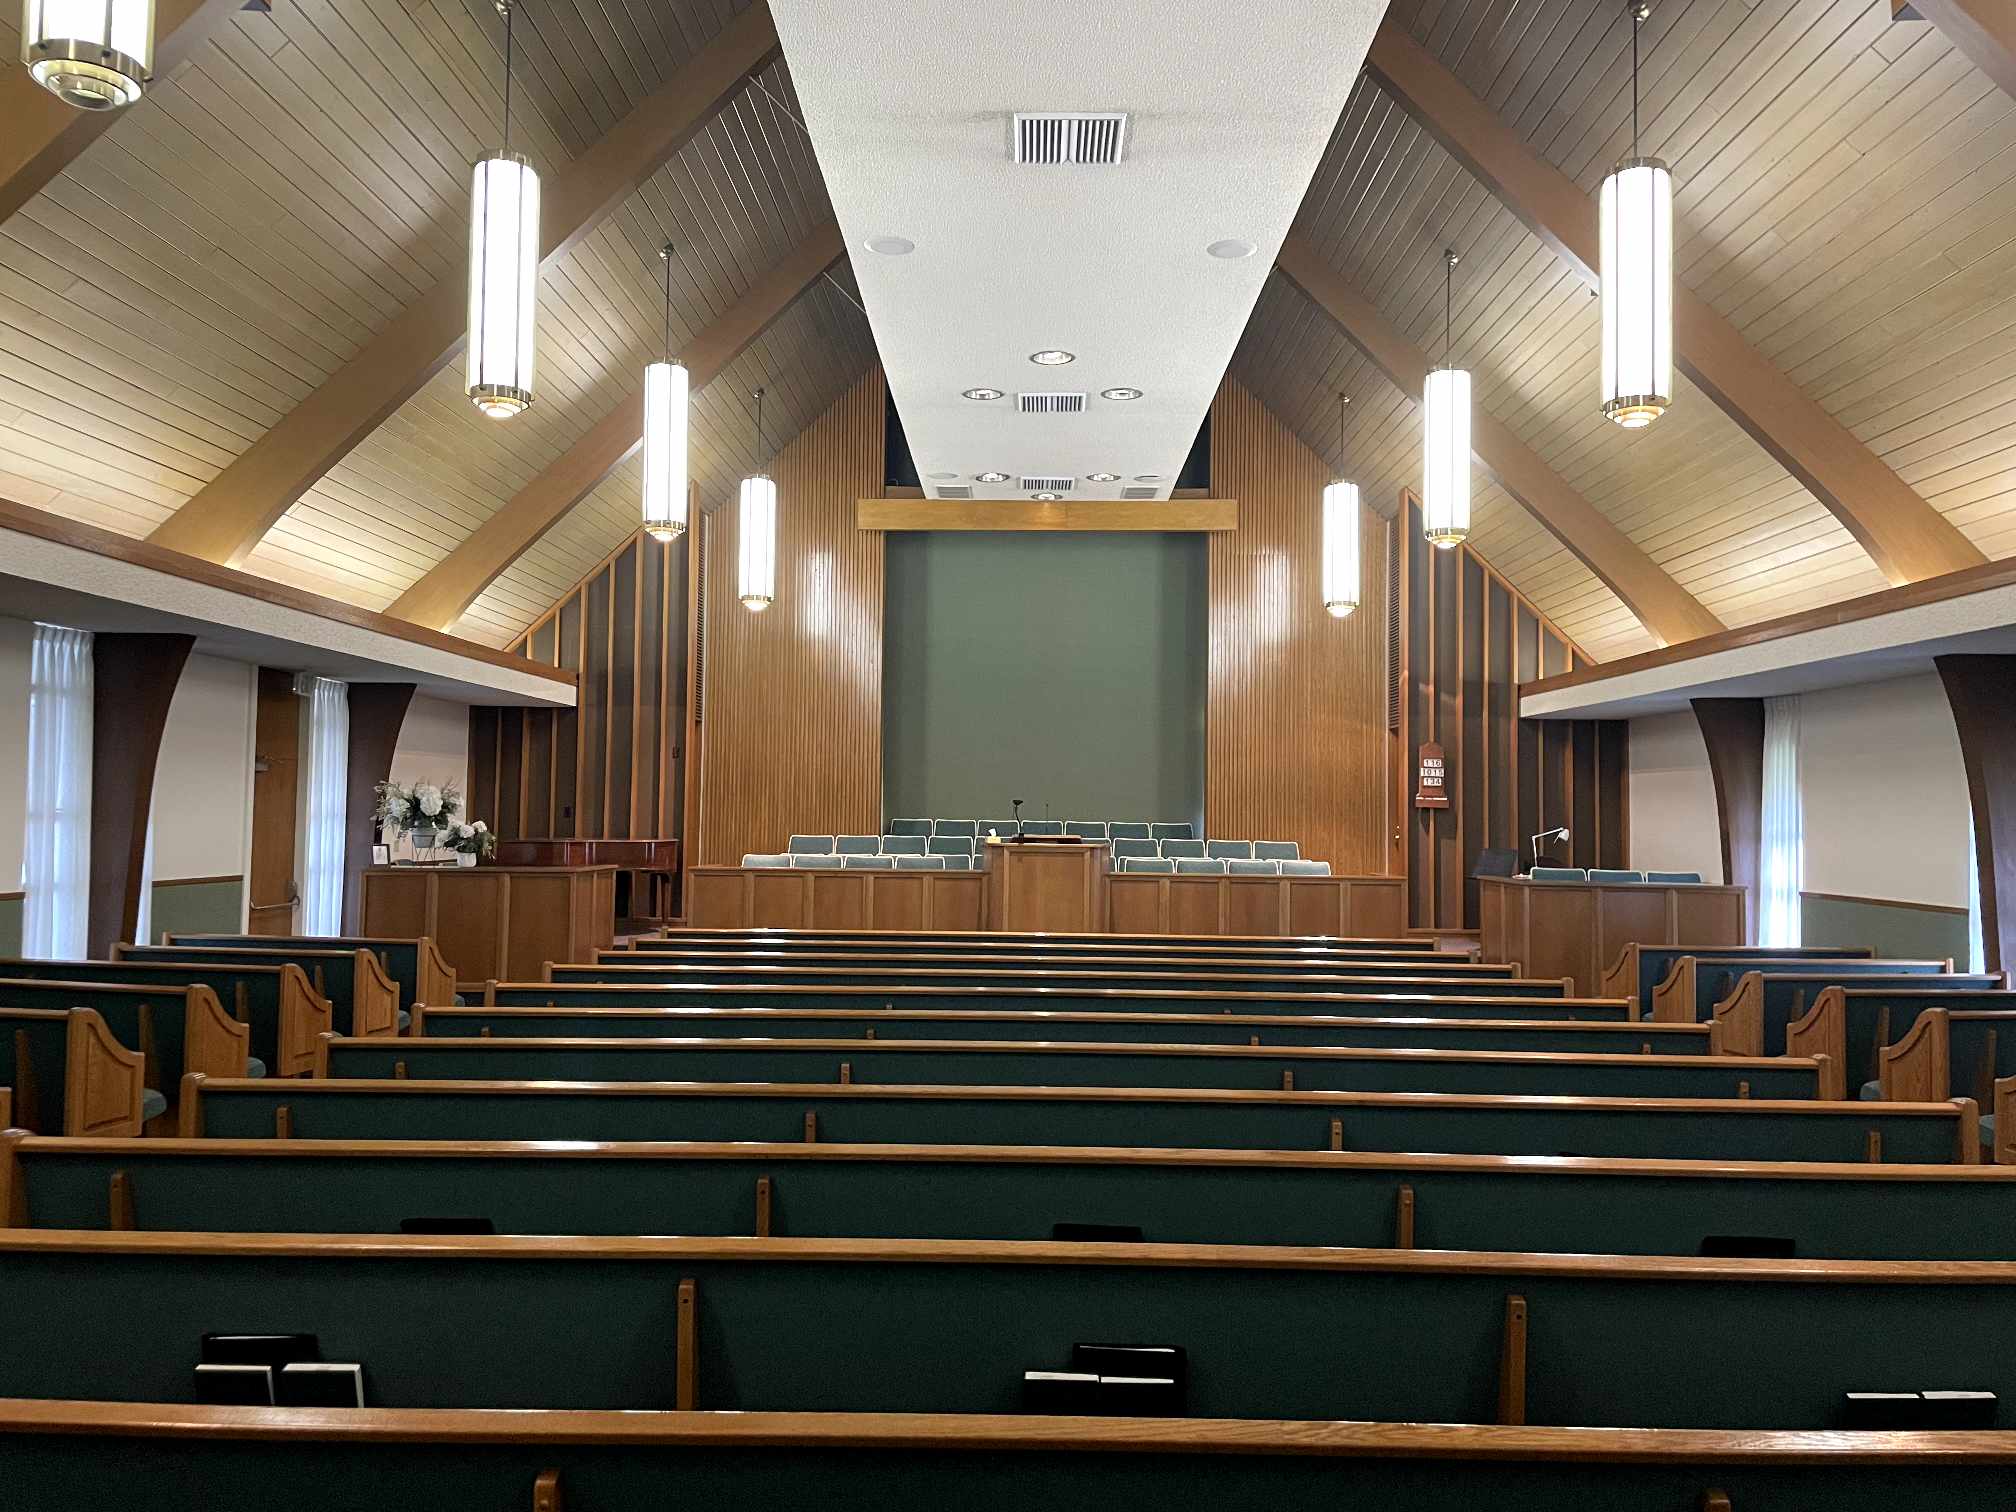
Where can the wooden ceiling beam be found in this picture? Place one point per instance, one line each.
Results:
(1906, 537)
(40, 135)
(439, 599)
(1983, 30)
(225, 519)
(1666, 609)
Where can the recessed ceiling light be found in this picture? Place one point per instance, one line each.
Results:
(1231, 248)
(1120, 393)
(1046, 496)
(990, 477)
(1052, 357)
(944, 477)
(1102, 477)
(900, 246)
(981, 393)
(1147, 477)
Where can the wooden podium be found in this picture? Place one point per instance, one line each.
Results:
(1045, 886)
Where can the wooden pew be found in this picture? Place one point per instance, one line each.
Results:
(174, 1458)
(363, 999)
(1061, 958)
(1504, 1000)
(1084, 1064)
(1767, 1014)
(1537, 1033)
(68, 1075)
(1004, 940)
(283, 1012)
(1405, 1201)
(176, 1029)
(1164, 1118)
(1375, 976)
(1640, 968)
(416, 967)
(785, 1324)
(1697, 983)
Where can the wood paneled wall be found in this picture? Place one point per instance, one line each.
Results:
(1467, 640)
(609, 768)
(1295, 721)
(790, 701)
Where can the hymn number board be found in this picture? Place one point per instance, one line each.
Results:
(1431, 787)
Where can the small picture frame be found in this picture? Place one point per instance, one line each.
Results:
(381, 855)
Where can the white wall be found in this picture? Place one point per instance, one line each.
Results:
(1673, 821)
(17, 639)
(203, 780)
(1885, 793)
(434, 747)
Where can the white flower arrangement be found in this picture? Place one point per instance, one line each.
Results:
(423, 806)
(470, 839)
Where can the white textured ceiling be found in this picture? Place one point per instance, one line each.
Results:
(910, 106)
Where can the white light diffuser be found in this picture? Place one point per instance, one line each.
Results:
(503, 283)
(665, 394)
(1340, 548)
(1635, 225)
(756, 581)
(1445, 462)
(94, 54)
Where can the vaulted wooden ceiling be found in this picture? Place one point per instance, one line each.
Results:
(1846, 198)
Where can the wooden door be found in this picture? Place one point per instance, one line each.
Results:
(276, 776)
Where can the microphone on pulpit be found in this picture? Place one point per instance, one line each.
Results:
(1016, 804)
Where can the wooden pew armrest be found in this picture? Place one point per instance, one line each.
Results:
(1673, 999)
(102, 1080)
(304, 1014)
(213, 1042)
(1620, 979)
(1918, 1067)
(436, 980)
(1823, 1032)
(374, 1005)
(1736, 1025)
(2005, 1120)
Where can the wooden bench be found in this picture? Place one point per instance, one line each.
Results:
(1544, 1034)
(1377, 976)
(1640, 968)
(176, 1029)
(1084, 1064)
(991, 939)
(1952, 1048)
(1440, 1202)
(283, 1012)
(1697, 983)
(1165, 1118)
(67, 1074)
(363, 999)
(416, 967)
(884, 1325)
(1062, 958)
(177, 1458)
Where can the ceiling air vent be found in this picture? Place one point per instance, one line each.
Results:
(1070, 136)
(1137, 493)
(956, 491)
(1050, 404)
(1048, 485)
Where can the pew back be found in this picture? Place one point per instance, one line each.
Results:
(1640, 968)
(176, 1029)
(1005, 940)
(1376, 976)
(1061, 959)
(1697, 983)
(67, 1074)
(363, 1000)
(1858, 1024)
(416, 967)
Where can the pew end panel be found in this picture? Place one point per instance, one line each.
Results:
(13, 1181)
(214, 1043)
(6, 1107)
(1918, 1068)
(1823, 1031)
(436, 979)
(1967, 1138)
(1673, 999)
(189, 1108)
(2005, 1121)
(102, 1081)
(1736, 1025)
(374, 999)
(304, 1016)
(1620, 980)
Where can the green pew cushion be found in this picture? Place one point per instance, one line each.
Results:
(1872, 1091)
(406, 1019)
(254, 1066)
(1987, 1131)
(152, 1104)
(461, 1001)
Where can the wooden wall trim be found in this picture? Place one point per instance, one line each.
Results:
(133, 680)
(377, 710)
(1981, 691)
(1028, 514)
(1931, 908)
(196, 881)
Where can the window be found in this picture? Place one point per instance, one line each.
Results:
(56, 841)
(1783, 843)
(327, 807)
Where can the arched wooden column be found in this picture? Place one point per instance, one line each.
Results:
(133, 680)
(1733, 731)
(377, 710)
(1981, 691)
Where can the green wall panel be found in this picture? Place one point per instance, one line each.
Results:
(1064, 669)
(1897, 931)
(198, 907)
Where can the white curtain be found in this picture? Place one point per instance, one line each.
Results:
(1977, 941)
(56, 841)
(327, 807)
(1784, 834)
(143, 931)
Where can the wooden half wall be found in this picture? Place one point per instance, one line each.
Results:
(1295, 702)
(1468, 639)
(609, 769)
(789, 699)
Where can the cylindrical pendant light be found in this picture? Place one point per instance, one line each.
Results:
(1636, 217)
(503, 269)
(665, 393)
(1340, 536)
(1445, 428)
(94, 54)
(756, 582)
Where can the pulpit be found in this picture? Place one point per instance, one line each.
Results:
(1047, 886)
(496, 922)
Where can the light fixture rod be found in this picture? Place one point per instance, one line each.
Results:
(504, 10)
(665, 252)
(1449, 260)
(828, 276)
(756, 83)
(757, 395)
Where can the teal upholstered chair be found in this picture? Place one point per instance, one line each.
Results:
(1558, 874)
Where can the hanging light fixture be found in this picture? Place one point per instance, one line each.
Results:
(1445, 427)
(1636, 214)
(1340, 536)
(94, 54)
(757, 531)
(665, 393)
(503, 268)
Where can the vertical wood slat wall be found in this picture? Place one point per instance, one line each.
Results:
(791, 712)
(610, 768)
(1295, 706)
(1468, 639)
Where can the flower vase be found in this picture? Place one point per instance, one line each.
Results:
(465, 858)
(423, 840)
